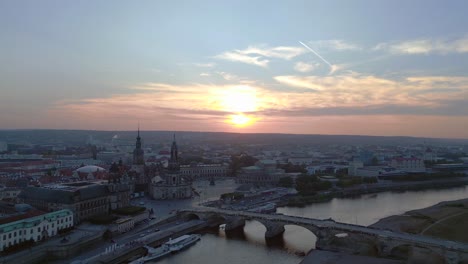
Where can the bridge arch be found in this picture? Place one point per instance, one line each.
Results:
(254, 231)
(299, 237)
(191, 216)
(401, 251)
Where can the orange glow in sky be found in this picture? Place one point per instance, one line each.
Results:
(239, 100)
(240, 120)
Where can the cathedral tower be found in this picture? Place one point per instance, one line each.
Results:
(174, 165)
(138, 153)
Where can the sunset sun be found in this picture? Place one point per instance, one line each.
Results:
(240, 120)
(239, 100)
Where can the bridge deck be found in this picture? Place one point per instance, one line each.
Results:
(323, 224)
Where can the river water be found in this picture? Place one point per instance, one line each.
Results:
(250, 246)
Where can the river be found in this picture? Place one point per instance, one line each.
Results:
(251, 247)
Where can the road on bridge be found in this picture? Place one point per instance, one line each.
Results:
(322, 224)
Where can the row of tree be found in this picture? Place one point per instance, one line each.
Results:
(305, 184)
(310, 184)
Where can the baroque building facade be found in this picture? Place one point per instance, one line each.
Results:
(171, 184)
(205, 171)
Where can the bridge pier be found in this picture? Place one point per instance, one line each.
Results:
(273, 230)
(234, 223)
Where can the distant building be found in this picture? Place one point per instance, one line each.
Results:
(366, 156)
(74, 162)
(429, 155)
(408, 164)
(300, 160)
(9, 193)
(263, 173)
(89, 172)
(171, 184)
(33, 226)
(354, 166)
(125, 224)
(3, 146)
(84, 199)
(205, 171)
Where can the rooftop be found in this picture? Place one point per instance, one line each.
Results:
(65, 193)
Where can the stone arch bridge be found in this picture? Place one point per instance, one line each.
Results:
(336, 236)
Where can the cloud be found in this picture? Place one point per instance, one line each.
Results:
(426, 46)
(258, 55)
(198, 106)
(228, 76)
(359, 90)
(205, 65)
(239, 57)
(305, 67)
(334, 44)
(281, 52)
(205, 74)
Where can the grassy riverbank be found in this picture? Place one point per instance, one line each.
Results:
(446, 220)
(303, 200)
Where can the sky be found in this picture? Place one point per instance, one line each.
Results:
(392, 68)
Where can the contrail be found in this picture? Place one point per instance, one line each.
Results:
(333, 68)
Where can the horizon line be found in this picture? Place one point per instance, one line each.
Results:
(228, 132)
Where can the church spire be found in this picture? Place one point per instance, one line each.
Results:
(138, 153)
(174, 160)
(174, 154)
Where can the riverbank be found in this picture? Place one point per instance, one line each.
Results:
(328, 257)
(355, 191)
(446, 220)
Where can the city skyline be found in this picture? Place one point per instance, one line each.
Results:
(328, 67)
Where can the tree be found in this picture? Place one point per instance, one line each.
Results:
(239, 161)
(286, 182)
(289, 167)
(310, 185)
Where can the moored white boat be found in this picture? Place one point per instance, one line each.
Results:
(153, 254)
(182, 242)
(171, 246)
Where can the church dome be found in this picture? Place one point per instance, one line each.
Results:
(90, 169)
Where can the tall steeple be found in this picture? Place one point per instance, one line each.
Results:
(174, 160)
(138, 139)
(174, 156)
(138, 153)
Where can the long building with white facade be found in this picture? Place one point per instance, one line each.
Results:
(33, 226)
(408, 164)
